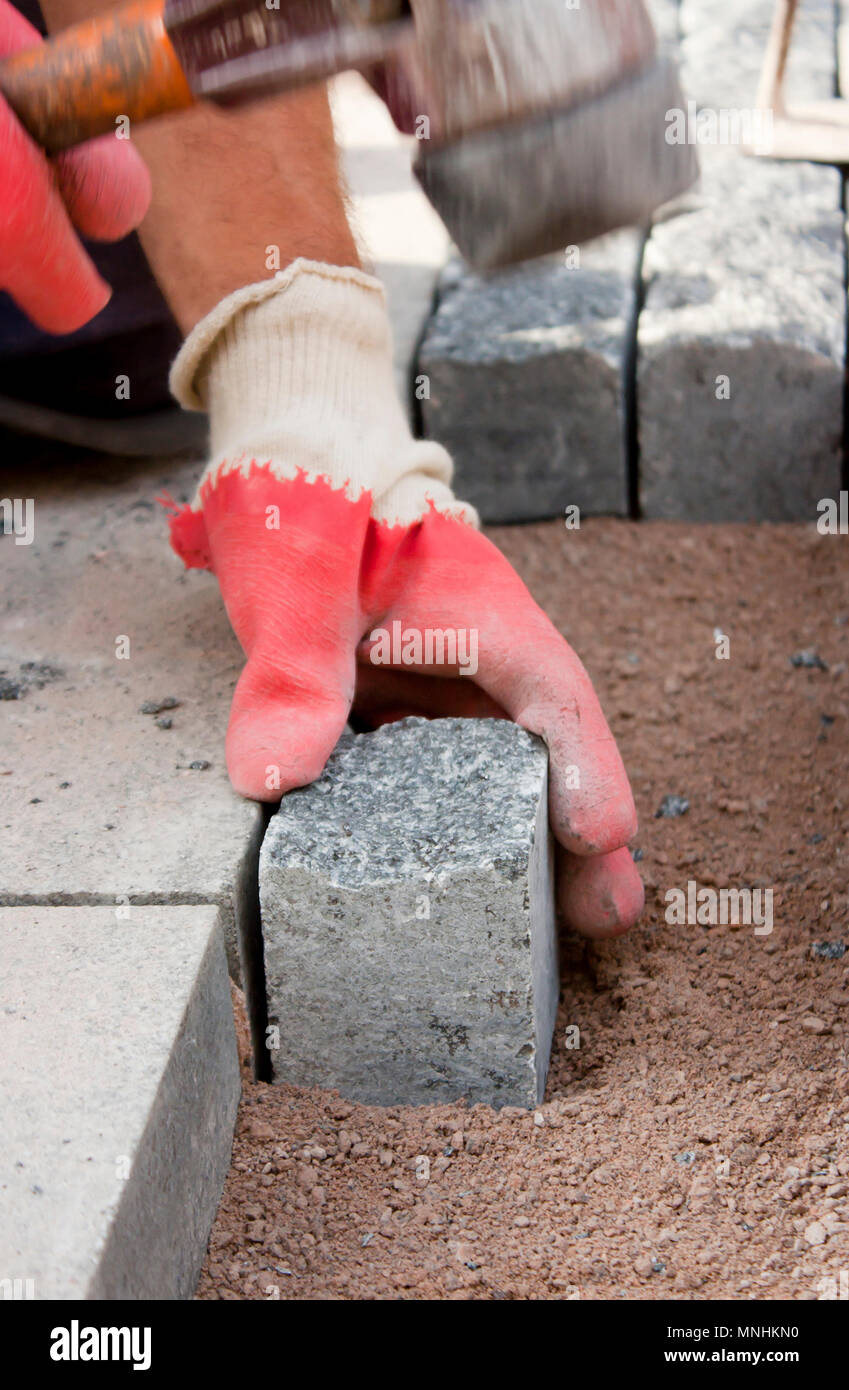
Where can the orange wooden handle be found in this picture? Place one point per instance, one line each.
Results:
(77, 84)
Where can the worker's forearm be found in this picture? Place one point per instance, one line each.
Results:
(236, 194)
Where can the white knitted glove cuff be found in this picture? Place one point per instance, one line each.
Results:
(296, 373)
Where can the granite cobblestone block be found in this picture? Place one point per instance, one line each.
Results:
(741, 338)
(408, 918)
(525, 381)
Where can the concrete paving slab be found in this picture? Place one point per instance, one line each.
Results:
(408, 918)
(98, 619)
(119, 1084)
(526, 372)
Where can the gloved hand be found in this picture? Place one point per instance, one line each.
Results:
(102, 188)
(324, 520)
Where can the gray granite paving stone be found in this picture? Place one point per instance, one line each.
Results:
(746, 284)
(408, 918)
(526, 373)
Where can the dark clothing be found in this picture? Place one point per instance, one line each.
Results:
(135, 336)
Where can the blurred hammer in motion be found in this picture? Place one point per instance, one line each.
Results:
(539, 125)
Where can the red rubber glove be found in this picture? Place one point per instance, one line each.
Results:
(309, 566)
(102, 188)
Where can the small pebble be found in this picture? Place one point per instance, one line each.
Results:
(809, 660)
(829, 950)
(672, 806)
(157, 706)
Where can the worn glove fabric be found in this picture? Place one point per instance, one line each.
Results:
(101, 188)
(339, 547)
(301, 372)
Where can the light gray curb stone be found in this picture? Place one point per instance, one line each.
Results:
(741, 340)
(119, 1085)
(525, 372)
(408, 917)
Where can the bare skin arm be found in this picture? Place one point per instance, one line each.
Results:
(228, 184)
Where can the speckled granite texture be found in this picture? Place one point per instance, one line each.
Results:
(408, 918)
